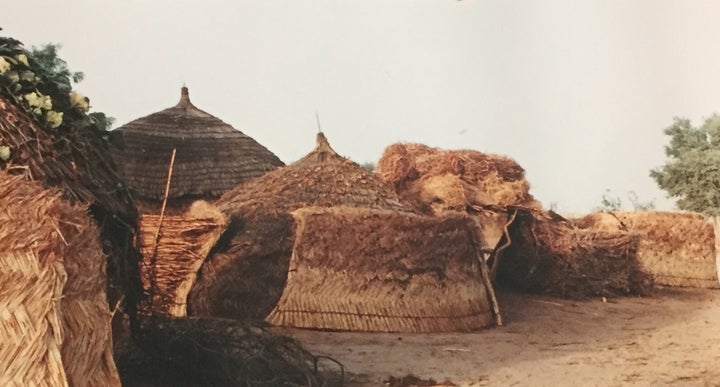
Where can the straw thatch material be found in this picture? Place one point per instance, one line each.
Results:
(552, 256)
(450, 180)
(76, 161)
(212, 156)
(677, 249)
(54, 318)
(245, 275)
(171, 262)
(376, 270)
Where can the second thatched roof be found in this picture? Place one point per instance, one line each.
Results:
(212, 157)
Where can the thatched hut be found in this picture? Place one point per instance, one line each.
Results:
(377, 270)
(246, 272)
(211, 157)
(54, 316)
(245, 275)
(676, 248)
(549, 254)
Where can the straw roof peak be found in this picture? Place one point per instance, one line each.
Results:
(184, 102)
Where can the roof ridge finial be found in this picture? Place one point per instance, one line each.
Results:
(184, 97)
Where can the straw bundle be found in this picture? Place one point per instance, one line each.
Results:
(677, 249)
(173, 253)
(449, 180)
(54, 318)
(374, 270)
(552, 256)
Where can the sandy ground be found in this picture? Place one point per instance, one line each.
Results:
(672, 338)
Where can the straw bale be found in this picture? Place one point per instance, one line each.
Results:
(170, 264)
(677, 249)
(551, 256)
(245, 274)
(423, 175)
(377, 270)
(54, 318)
(605, 221)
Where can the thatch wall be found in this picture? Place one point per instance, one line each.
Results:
(245, 273)
(373, 270)
(552, 256)
(173, 252)
(677, 249)
(54, 317)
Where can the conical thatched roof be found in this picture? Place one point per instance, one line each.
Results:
(245, 275)
(212, 156)
(321, 178)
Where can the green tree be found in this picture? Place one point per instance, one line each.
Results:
(692, 172)
(369, 166)
(612, 202)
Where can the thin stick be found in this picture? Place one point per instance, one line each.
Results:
(317, 118)
(490, 290)
(498, 252)
(156, 239)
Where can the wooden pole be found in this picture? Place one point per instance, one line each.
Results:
(156, 239)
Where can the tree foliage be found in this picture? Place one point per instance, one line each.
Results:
(692, 172)
(611, 202)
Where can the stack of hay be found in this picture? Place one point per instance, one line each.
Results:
(676, 249)
(550, 255)
(173, 248)
(438, 181)
(54, 317)
(247, 274)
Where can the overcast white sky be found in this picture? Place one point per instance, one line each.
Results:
(578, 92)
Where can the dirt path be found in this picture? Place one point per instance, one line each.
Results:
(672, 338)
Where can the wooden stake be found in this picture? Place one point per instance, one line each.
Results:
(156, 239)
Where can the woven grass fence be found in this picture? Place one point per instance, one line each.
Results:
(54, 318)
(375, 270)
(553, 256)
(173, 249)
(677, 249)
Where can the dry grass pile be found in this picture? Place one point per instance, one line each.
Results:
(552, 256)
(377, 270)
(450, 180)
(219, 352)
(54, 318)
(245, 273)
(173, 248)
(677, 249)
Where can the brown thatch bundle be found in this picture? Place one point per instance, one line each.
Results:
(173, 248)
(376, 270)
(552, 256)
(677, 249)
(449, 180)
(246, 272)
(54, 317)
(212, 157)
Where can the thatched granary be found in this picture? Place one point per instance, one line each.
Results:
(676, 248)
(54, 316)
(212, 157)
(549, 254)
(246, 273)
(362, 269)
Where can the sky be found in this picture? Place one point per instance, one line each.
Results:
(577, 92)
